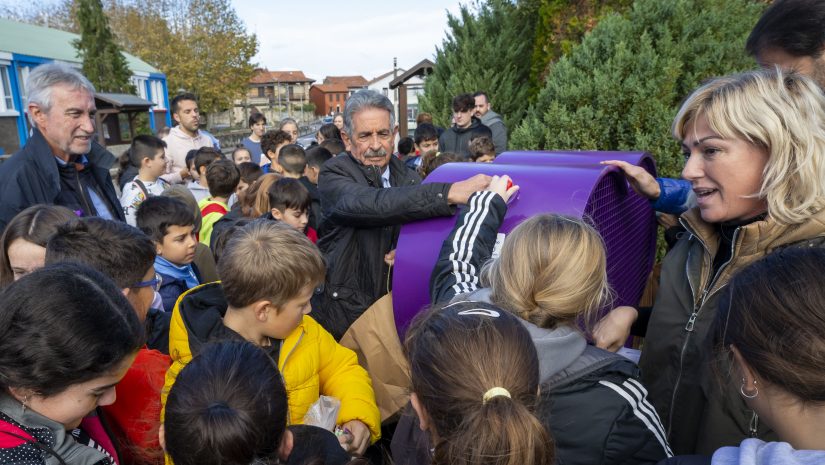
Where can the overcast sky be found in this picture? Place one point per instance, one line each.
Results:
(343, 37)
(324, 37)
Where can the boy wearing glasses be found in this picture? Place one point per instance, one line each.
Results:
(126, 255)
(170, 225)
(467, 127)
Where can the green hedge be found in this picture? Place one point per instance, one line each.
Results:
(621, 87)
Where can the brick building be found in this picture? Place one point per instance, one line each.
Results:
(328, 98)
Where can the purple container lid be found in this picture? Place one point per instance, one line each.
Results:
(570, 183)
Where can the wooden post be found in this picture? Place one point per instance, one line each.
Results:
(402, 110)
(131, 117)
(99, 125)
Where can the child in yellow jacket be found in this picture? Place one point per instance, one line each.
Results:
(269, 271)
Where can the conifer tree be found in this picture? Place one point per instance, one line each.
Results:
(621, 87)
(487, 50)
(103, 62)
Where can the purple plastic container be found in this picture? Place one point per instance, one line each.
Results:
(570, 183)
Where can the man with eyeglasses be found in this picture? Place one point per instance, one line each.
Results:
(366, 195)
(466, 127)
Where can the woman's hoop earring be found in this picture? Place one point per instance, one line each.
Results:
(749, 396)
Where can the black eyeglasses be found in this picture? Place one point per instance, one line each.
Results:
(153, 283)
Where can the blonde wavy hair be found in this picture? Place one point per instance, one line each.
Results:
(551, 270)
(783, 112)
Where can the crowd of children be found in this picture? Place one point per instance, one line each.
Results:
(185, 335)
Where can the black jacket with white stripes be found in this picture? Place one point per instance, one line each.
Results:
(591, 400)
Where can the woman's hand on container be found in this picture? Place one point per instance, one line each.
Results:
(640, 180)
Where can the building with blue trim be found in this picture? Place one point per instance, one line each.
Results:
(24, 46)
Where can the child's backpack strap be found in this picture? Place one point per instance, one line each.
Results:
(142, 187)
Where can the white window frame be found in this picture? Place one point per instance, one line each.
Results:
(6, 91)
(157, 94)
(140, 86)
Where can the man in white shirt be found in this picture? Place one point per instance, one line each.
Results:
(184, 137)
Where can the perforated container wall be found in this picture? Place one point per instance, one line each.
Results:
(627, 225)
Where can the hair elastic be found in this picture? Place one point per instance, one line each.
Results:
(495, 392)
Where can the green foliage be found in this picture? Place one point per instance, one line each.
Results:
(561, 24)
(201, 45)
(142, 125)
(487, 50)
(103, 62)
(621, 87)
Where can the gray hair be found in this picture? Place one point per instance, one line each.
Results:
(366, 99)
(286, 121)
(45, 77)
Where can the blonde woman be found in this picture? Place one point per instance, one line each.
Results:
(754, 145)
(551, 272)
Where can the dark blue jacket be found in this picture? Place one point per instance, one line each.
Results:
(31, 177)
(171, 288)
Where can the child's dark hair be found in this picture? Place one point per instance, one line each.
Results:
(227, 406)
(289, 193)
(425, 131)
(405, 146)
(237, 149)
(330, 131)
(222, 177)
(156, 214)
(475, 371)
(181, 193)
(463, 102)
(432, 160)
(39, 348)
(792, 26)
(335, 146)
(317, 156)
(773, 312)
(190, 159)
(481, 146)
(219, 242)
(144, 146)
(250, 172)
(272, 139)
(119, 251)
(293, 159)
(256, 118)
(35, 224)
(205, 156)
